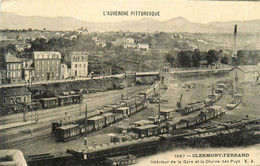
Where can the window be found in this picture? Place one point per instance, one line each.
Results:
(4, 101)
(24, 99)
(84, 65)
(75, 65)
(38, 75)
(42, 75)
(9, 74)
(18, 74)
(8, 66)
(48, 68)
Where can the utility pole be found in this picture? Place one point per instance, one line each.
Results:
(212, 95)
(79, 108)
(86, 116)
(236, 79)
(31, 123)
(159, 111)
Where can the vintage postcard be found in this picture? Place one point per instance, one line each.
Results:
(129, 82)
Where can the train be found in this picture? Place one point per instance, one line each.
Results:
(198, 105)
(152, 126)
(65, 130)
(170, 125)
(45, 103)
(93, 154)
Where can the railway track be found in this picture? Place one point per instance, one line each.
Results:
(14, 137)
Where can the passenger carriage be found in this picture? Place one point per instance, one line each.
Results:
(49, 102)
(146, 131)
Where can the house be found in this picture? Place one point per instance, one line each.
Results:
(64, 71)
(2, 76)
(83, 31)
(46, 65)
(143, 46)
(28, 71)
(73, 37)
(204, 63)
(120, 41)
(22, 47)
(79, 64)
(13, 67)
(12, 99)
(249, 73)
(129, 45)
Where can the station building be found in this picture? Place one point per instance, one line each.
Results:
(249, 73)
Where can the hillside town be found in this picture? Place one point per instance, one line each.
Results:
(133, 93)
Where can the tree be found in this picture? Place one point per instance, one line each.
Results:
(39, 44)
(170, 59)
(224, 60)
(212, 56)
(184, 58)
(196, 58)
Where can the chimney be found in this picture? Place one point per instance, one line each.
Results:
(235, 42)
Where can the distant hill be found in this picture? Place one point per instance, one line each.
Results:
(178, 24)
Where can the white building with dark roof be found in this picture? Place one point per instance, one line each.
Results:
(13, 67)
(46, 65)
(249, 73)
(79, 64)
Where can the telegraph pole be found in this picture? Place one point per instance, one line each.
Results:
(159, 111)
(86, 116)
(212, 95)
(79, 108)
(236, 79)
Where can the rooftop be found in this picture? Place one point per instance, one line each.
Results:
(11, 58)
(248, 68)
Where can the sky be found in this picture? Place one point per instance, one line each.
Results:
(92, 10)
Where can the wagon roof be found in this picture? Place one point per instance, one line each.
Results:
(108, 114)
(215, 107)
(96, 118)
(167, 110)
(51, 98)
(143, 121)
(123, 108)
(67, 96)
(67, 126)
(146, 127)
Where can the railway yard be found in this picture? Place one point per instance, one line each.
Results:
(43, 140)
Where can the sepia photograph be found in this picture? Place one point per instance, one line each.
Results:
(129, 82)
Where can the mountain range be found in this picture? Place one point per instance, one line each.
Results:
(178, 24)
